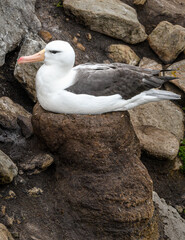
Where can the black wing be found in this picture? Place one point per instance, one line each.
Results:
(115, 78)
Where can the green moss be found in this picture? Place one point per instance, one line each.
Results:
(182, 154)
(59, 4)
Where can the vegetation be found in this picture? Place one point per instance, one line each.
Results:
(59, 4)
(182, 154)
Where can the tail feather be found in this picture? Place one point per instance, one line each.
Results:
(151, 95)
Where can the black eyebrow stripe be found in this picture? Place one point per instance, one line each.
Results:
(53, 51)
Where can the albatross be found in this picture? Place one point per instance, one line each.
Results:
(92, 88)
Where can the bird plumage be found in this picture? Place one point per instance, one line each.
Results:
(93, 88)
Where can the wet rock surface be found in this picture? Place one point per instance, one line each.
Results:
(114, 19)
(99, 162)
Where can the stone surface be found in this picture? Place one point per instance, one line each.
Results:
(122, 53)
(8, 170)
(154, 11)
(10, 112)
(16, 19)
(4, 233)
(45, 35)
(150, 63)
(38, 163)
(105, 188)
(164, 115)
(139, 2)
(174, 225)
(112, 18)
(167, 41)
(25, 73)
(179, 72)
(158, 143)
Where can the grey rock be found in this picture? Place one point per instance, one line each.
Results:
(25, 73)
(111, 17)
(167, 41)
(4, 233)
(9, 113)
(174, 225)
(8, 170)
(156, 142)
(16, 19)
(164, 115)
(122, 53)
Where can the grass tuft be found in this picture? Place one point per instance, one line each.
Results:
(182, 154)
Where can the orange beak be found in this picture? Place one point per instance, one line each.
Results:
(38, 57)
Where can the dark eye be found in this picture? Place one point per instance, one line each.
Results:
(54, 52)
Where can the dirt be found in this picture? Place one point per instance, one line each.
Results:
(30, 214)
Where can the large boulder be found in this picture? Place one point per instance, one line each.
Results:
(157, 142)
(106, 191)
(167, 41)
(154, 11)
(25, 73)
(16, 19)
(163, 115)
(174, 225)
(8, 170)
(111, 17)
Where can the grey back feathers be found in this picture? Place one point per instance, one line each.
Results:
(115, 78)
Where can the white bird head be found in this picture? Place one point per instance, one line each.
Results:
(55, 53)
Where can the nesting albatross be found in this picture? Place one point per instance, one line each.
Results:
(92, 88)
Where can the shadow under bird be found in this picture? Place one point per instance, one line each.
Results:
(92, 88)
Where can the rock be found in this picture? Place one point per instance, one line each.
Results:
(25, 73)
(179, 72)
(26, 125)
(112, 18)
(80, 46)
(139, 2)
(105, 188)
(45, 35)
(4, 233)
(122, 53)
(164, 115)
(38, 163)
(16, 19)
(167, 41)
(150, 63)
(9, 221)
(11, 195)
(174, 225)
(10, 112)
(157, 142)
(35, 192)
(3, 210)
(75, 40)
(169, 86)
(88, 36)
(177, 164)
(8, 169)
(154, 11)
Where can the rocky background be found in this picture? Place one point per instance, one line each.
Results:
(91, 177)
